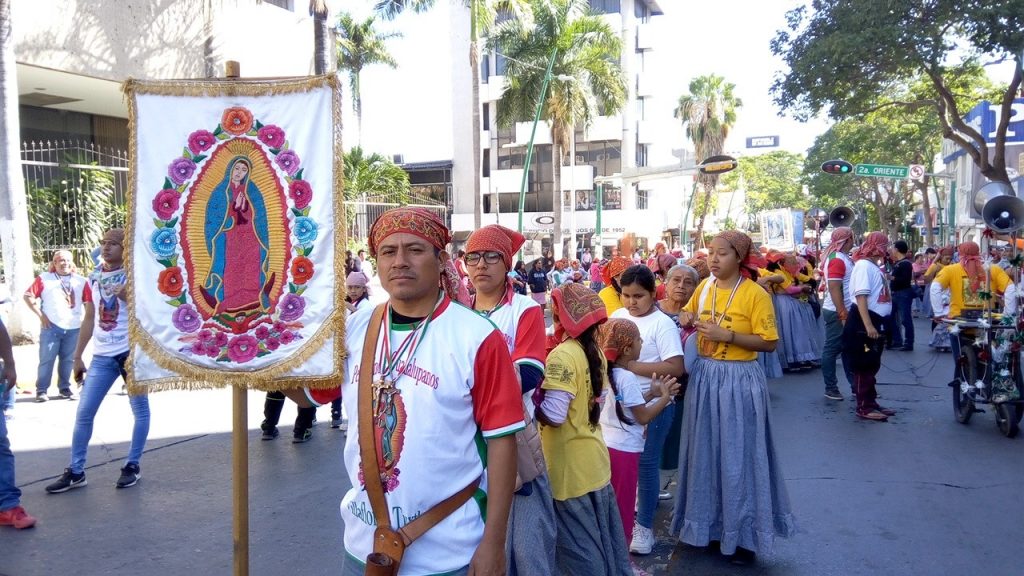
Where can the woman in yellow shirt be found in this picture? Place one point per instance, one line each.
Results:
(579, 469)
(731, 487)
(611, 294)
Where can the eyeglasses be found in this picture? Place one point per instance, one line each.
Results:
(473, 258)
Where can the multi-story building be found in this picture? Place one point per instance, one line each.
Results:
(607, 148)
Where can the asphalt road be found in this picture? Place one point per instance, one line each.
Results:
(920, 494)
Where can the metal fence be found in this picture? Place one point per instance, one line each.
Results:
(364, 212)
(75, 191)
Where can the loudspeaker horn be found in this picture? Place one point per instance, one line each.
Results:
(841, 216)
(999, 207)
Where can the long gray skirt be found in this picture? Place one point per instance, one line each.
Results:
(590, 539)
(530, 546)
(798, 329)
(731, 488)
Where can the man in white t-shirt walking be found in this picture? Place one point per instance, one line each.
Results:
(837, 268)
(106, 324)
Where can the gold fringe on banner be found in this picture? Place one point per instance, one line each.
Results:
(190, 376)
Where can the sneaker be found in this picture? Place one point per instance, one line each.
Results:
(269, 434)
(833, 393)
(67, 481)
(344, 425)
(130, 475)
(643, 540)
(335, 423)
(68, 395)
(304, 436)
(16, 517)
(664, 495)
(42, 397)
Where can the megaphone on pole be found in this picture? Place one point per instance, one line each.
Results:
(841, 216)
(999, 207)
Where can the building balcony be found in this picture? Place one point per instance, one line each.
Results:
(580, 177)
(605, 128)
(502, 181)
(523, 133)
(644, 37)
(644, 85)
(492, 90)
(645, 131)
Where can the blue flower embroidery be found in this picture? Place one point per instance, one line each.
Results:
(165, 242)
(304, 230)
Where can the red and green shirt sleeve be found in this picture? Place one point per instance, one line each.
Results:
(497, 405)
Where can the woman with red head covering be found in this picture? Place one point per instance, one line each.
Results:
(611, 294)
(590, 538)
(864, 332)
(727, 413)
(795, 315)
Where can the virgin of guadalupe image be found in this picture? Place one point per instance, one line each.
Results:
(238, 242)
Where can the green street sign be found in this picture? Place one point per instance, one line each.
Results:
(882, 171)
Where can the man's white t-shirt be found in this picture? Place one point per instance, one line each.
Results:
(868, 280)
(660, 336)
(838, 263)
(456, 392)
(63, 309)
(617, 434)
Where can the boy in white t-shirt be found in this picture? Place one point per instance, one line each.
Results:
(625, 414)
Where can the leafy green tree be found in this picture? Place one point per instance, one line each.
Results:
(361, 45)
(847, 56)
(770, 181)
(586, 78)
(374, 175)
(708, 112)
(482, 17)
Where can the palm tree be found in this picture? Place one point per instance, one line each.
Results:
(14, 230)
(321, 52)
(361, 45)
(708, 112)
(482, 16)
(586, 78)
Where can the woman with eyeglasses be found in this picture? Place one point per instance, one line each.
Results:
(531, 528)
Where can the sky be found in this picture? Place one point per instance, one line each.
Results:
(407, 111)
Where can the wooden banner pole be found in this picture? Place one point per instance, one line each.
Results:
(239, 445)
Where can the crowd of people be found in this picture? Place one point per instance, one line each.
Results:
(497, 444)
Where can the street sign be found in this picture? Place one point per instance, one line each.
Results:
(916, 172)
(763, 142)
(881, 171)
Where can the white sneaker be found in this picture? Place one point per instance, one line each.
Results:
(643, 540)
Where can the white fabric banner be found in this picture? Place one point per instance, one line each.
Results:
(234, 227)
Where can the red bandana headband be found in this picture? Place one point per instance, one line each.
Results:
(416, 221)
(498, 239)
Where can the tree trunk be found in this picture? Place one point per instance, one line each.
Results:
(926, 203)
(357, 105)
(478, 204)
(705, 206)
(556, 168)
(14, 230)
(320, 36)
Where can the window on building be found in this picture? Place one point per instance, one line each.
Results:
(485, 163)
(485, 68)
(500, 63)
(641, 155)
(642, 199)
(286, 4)
(605, 6)
(640, 109)
(486, 119)
(641, 11)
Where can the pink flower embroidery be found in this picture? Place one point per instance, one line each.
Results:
(200, 141)
(181, 170)
(186, 318)
(287, 337)
(288, 161)
(242, 348)
(273, 343)
(301, 193)
(165, 204)
(262, 332)
(220, 340)
(292, 307)
(271, 136)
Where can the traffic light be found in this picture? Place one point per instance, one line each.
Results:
(837, 167)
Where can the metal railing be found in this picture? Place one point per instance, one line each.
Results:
(362, 213)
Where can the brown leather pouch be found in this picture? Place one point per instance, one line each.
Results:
(389, 544)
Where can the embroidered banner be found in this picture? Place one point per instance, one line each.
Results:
(235, 223)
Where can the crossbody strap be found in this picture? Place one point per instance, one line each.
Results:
(368, 450)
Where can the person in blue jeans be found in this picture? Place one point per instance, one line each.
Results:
(106, 324)
(902, 287)
(661, 353)
(56, 298)
(11, 512)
